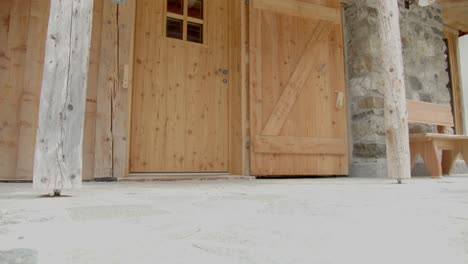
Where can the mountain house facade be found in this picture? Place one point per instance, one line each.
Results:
(227, 87)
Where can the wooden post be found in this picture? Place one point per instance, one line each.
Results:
(396, 116)
(59, 142)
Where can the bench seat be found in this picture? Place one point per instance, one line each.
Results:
(431, 145)
(431, 136)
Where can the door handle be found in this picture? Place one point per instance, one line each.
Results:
(339, 100)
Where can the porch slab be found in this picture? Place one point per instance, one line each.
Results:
(333, 220)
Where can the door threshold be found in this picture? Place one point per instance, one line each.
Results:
(144, 177)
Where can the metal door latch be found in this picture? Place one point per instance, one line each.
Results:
(223, 71)
(125, 77)
(339, 100)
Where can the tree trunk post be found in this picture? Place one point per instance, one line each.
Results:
(396, 116)
(59, 142)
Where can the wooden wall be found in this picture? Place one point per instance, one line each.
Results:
(23, 25)
(23, 28)
(114, 94)
(115, 78)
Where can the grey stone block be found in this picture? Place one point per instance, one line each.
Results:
(369, 168)
(19, 256)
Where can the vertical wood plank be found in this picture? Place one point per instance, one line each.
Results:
(107, 83)
(115, 83)
(6, 147)
(452, 41)
(29, 99)
(5, 9)
(10, 91)
(237, 88)
(122, 99)
(93, 75)
(255, 76)
(131, 62)
(244, 76)
(59, 145)
(146, 74)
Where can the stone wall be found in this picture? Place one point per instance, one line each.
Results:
(424, 54)
(425, 73)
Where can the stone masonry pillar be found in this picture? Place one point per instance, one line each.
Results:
(426, 77)
(365, 90)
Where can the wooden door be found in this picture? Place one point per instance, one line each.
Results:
(180, 96)
(298, 114)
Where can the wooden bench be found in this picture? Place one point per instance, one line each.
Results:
(430, 145)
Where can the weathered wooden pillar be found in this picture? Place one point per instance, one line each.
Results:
(396, 117)
(58, 154)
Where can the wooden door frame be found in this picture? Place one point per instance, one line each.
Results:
(451, 35)
(238, 83)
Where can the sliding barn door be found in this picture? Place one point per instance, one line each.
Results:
(297, 89)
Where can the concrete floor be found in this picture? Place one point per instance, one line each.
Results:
(257, 221)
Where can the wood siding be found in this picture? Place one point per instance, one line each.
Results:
(23, 26)
(23, 29)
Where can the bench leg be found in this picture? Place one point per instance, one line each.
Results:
(432, 160)
(416, 148)
(464, 152)
(448, 160)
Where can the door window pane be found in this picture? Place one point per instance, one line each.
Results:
(195, 8)
(185, 20)
(195, 32)
(175, 6)
(174, 28)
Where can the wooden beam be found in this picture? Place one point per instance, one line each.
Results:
(236, 147)
(59, 144)
(106, 86)
(299, 145)
(300, 8)
(452, 45)
(396, 118)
